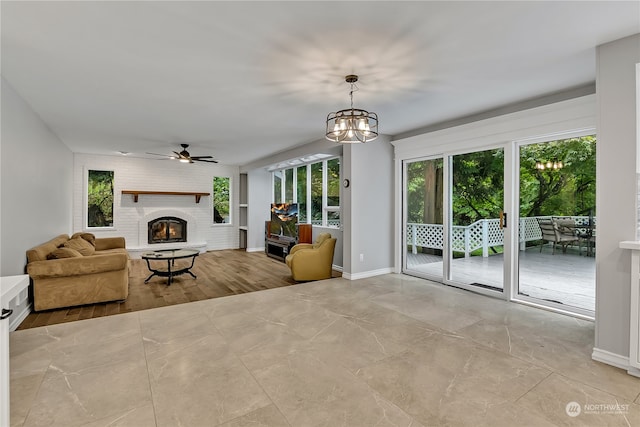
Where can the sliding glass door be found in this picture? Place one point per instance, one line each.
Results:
(540, 251)
(453, 207)
(557, 226)
(476, 226)
(424, 214)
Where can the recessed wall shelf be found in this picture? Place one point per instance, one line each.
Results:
(136, 193)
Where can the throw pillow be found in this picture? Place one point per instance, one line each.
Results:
(80, 245)
(64, 253)
(86, 236)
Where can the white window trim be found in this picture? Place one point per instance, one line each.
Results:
(325, 207)
(85, 203)
(213, 196)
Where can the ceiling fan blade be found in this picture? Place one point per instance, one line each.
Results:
(164, 156)
(201, 157)
(202, 160)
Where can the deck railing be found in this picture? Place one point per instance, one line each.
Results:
(484, 233)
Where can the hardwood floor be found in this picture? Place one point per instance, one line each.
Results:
(220, 273)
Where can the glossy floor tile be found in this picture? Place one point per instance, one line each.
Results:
(390, 350)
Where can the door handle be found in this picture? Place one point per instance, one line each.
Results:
(5, 313)
(503, 219)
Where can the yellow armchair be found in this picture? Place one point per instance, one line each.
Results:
(312, 261)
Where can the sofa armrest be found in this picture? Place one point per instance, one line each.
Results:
(299, 247)
(77, 266)
(105, 243)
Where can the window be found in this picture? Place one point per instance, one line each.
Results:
(316, 193)
(301, 193)
(315, 187)
(100, 199)
(288, 186)
(221, 200)
(333, 193)
(277, 187)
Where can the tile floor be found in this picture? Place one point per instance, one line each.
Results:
(385, 351)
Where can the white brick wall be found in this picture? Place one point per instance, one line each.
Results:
(158, 175)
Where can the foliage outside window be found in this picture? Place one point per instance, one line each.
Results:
(288, 186)
(221, 200)
(478, 186)
(333, 182)
(100, 199)
(568, 191)
(277, 187)
(316, 193)
(425, 192)
(301, 193)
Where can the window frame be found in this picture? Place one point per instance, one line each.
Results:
(213, 201)
(325, 207)
(85, 208)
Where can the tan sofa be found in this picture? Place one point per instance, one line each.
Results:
(312, 261)
(66, 272)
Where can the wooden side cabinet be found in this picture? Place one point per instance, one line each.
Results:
(305, 232)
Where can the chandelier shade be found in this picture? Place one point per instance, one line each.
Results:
(352, 125)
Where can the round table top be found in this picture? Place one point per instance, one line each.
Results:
(170, 254)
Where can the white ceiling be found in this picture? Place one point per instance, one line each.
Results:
(241, 80)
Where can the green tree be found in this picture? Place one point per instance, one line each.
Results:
(220, 198)
(100, 199)
(478, 186)
(569, 190)
(478, 183)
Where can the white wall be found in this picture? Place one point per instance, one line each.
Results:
(616, 191)
(338, 234)
(157, 175)
(35, 183)
(259, 198)
(368, 209)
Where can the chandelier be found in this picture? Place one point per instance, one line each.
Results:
(352, 125)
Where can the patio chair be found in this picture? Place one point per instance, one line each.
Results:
(548, 233)
(559, 232)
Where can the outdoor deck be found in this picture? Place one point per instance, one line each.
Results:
(568, 278)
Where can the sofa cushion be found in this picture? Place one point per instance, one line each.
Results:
(89, 237)
(64, 253)
(40, 252)
(80, 245)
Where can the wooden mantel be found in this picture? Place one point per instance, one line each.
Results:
(136, 193)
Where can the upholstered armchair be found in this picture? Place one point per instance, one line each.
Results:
(312, 261)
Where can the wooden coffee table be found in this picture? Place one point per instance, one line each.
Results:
(170, 256)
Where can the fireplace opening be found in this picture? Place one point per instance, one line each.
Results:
(167, 229)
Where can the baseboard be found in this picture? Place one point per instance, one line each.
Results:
(255, 249)
(336, 268)
(612, 359)
(365, 274)
(17, 320)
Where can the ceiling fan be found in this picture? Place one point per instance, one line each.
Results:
(184, 156)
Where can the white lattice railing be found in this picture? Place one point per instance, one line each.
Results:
(485, 234)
